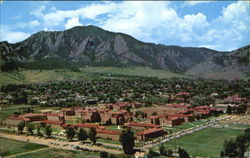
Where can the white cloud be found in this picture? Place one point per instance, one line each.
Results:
(72, 23)
(38, 12)
(12, 36)
(34, 23)
(53, 8)
(193, 3)
(156, 22)
(90, 11)
(231, 29)
(30, 24)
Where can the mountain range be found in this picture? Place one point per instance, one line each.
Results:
(93, 46)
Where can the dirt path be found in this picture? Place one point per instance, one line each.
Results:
(61, 145)
(32, 151)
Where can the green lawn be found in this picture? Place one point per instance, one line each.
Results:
(184, 126)
(114, 128)
(206, 143)
(10, 147)
(6, 112)
(56, 153)
(240, 126)
(108, 141)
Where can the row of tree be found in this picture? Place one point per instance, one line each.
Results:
(82, 135)
(31, 127)
(237, 147)
(167, 152)
(126, 138)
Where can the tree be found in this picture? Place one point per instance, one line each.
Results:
(82, 135)
(229, 109)
(104, 154)
(92, 135)
(30, 128)
(48, 130)
(152, 154)
(128, 141)
(20, 98)
(42, 124)
(38, 130)
(112, 156)
(20, 127)
(70, 133)
(162, 150)
(154, 113)
(128, 108)
(183, 153)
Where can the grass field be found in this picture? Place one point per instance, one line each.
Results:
(6, 112)
(87, 73)
(10, 147)
(184, 126)
(9, 110)
(35, 76)
(56, 153)
(206, 143)
(132, 71)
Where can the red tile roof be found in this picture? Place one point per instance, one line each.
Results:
(148, 131)
(53, 122)
(108, 131)
(32, 114)
(158, 116)
(18, 118)
(141, 124)
(54, 114)
(182, 93)
(171, 118)
(87, 125)
(179, 106)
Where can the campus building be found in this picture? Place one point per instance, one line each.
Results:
(108, 134)
(149, 133)
(27, 118)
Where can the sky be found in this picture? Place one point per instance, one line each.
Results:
(219, 25)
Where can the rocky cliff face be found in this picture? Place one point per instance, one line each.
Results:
(91, 45)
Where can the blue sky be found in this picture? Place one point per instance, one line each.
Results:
(219, 25)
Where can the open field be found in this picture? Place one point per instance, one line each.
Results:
(36, 76)
(132, 71)
(229, 75)
(9, 110)
(185, 126)
(6, 112)
(10, 147)
(51, 153)
(206, 142)
(87, 73)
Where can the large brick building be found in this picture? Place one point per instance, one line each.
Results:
(165, 120)
(108, 134)
(27, 118)
(88, 126)
(122, 105)
(139, 126)
(149, 133)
